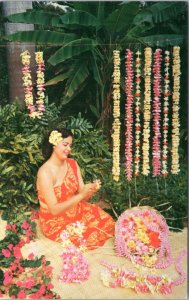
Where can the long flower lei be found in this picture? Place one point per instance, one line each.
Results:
(143, 282)
(75, 266)
(34, 112)
(165, 113)
(147, 111)
(116, 115)
(128, 113)
(156, 151)
(175, 167)
(137, 113)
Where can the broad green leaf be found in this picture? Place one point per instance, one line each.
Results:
(57, 79)
(80, 73)
(82, 18)
(95, 69)
(159, 12)
(122, 17)
(162, 40)
(41, 37)
(36, 17)
(71, 49)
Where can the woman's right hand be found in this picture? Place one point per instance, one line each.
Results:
(89, 189)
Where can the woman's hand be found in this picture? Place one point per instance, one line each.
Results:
(90, 188)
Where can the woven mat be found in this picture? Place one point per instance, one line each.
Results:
(93, 287)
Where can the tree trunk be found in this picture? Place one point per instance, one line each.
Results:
(16, 91)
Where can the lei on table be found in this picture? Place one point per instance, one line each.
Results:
(175, 167)
(23, 277)
(165, 113)
(116, 115)
(147, 113)
(75, 266)
(142, 236)
(128, 113)
(35, 111)
(156, 151)
(137, 113)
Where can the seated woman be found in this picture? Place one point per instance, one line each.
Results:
(63, 195)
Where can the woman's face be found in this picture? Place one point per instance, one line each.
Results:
(63, 148)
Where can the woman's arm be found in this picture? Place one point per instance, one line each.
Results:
(46, 188)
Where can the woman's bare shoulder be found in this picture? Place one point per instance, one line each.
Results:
(44, 170)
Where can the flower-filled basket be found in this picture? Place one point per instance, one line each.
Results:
(141, 234)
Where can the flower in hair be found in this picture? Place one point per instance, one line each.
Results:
(55, 137)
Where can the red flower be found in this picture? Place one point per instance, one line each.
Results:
(154, 239)
(21, 294)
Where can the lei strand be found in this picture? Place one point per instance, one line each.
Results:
(137, 113)
(34, 112)
(147, 107)
(156, 152)
(128, 113)
(165, 113)
(116, 115)
(40, 81)
(75, 266)
(175, 167)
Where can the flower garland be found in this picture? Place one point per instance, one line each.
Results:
(116, 115)
(141, 234)
(164, 170)
(156, 151)
(137, 114)
(142, 282)
(20, 277)
(147, 108)
(128, 113)
(75, 266)
(40, 81)
(175, 167)
(28, 87)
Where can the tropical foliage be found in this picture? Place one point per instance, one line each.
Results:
(20, 151)
(79, 44)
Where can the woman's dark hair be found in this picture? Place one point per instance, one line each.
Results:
(47, 148)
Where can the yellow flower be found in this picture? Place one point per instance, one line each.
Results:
(55, 137)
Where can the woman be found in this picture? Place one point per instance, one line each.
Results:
(63, 195)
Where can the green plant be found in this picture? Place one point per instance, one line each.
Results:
(168, 195)
(20, 151)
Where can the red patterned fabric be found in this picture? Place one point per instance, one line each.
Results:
(99, 225)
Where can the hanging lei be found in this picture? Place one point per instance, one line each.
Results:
(128, 113)
(116, 115)
(137, 113)
(147, 100)
(27, 83)
(175, 167)
(156, 151)
(165, 114)
(40, 81)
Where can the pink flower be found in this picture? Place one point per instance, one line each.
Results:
(50, 286)
(6, 253)
(21, 295)
(17, 252)
(30, 283)
(7, 278)
(10, 246)
(25, 225)
(31, 256)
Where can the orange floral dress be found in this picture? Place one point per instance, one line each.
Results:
(99, 225)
